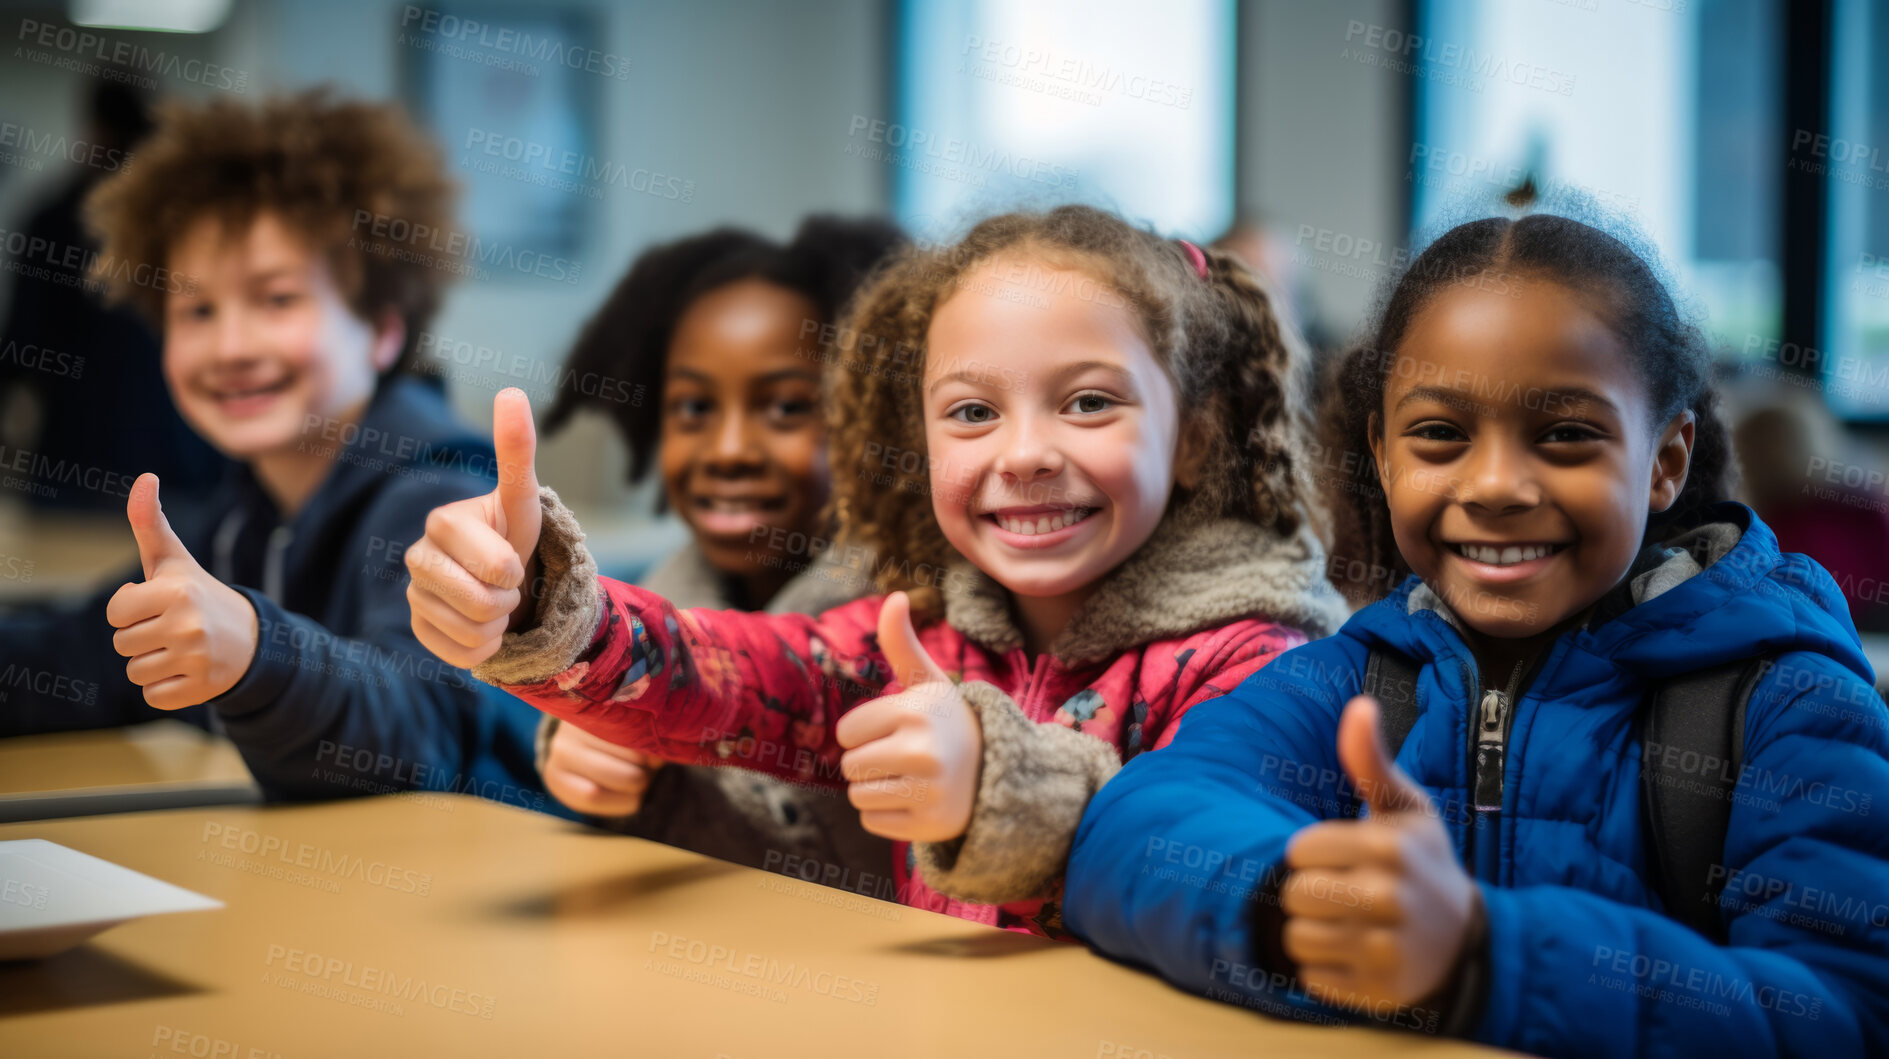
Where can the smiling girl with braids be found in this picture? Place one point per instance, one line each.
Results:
(1536, 860)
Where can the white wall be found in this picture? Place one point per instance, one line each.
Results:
(749, 100)
(752, 100)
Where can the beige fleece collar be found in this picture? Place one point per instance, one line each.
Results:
(836, 577)
(1189, 576)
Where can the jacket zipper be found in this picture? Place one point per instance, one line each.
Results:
(1036, 673)
(1492, 736)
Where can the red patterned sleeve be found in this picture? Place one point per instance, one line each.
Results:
(1210, 664)
(719, 687)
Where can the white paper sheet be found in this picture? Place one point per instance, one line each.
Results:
(52, 898)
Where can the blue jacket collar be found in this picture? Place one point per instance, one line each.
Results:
(1750, 600)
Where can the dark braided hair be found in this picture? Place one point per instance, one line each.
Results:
(628, 338)
(1669, 353)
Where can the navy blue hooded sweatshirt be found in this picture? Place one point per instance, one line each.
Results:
(340, 698)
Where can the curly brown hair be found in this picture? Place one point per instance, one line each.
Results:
(320, 164)
(1239, 372)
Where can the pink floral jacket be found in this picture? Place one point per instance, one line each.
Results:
(1193, 613)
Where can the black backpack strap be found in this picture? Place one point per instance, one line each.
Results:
(1392, 680)
(1692, 750)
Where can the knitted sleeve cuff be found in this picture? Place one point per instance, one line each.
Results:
(568, 607)
(1035, 782)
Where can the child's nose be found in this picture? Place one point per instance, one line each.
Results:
(1030, 454)
(1501, 478)
(733, 444)
(233, 335)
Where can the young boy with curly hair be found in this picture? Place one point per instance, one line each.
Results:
(288, 311)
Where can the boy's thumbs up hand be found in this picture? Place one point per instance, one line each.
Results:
(912, 757)
(1378, 909)
(157, 542)
(189, 636)
(472, 571)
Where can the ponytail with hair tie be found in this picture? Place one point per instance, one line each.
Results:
(1196, 255)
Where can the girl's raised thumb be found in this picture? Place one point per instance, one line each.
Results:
(910, 664)
(515, 442)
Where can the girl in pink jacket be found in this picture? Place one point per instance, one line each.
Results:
(1070, 452)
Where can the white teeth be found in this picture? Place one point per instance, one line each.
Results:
(1044, 523)
(731, 506)
(237, 395)
(1508, 556)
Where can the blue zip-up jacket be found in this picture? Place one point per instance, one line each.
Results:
(1177, 854)
(340, 698)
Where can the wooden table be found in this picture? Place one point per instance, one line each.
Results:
(160, 765)
(52, 555)
(420, 925)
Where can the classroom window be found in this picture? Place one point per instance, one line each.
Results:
(1855, 157)
(1116, 103)
(521, 135)
(1664, 112)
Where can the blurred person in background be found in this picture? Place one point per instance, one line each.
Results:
(731, 331)
(276, 613)
(69, 361)
(1260, 246)
(1818, 498)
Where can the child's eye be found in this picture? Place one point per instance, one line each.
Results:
(688, 409)
(788, 411)
(975, 414)
(1435, 432)
(283, 299)
(1091, 403)
(1568, 433)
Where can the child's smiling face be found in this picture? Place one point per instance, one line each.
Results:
(264, 348)
(1053, 434)
(743, 447)
(1518, 454)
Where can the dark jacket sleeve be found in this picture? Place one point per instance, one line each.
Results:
(59, 673)
(322, 715)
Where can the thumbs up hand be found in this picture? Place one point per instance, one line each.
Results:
(472, 570)
(913, 757)
(189, 636)
(1377, 910)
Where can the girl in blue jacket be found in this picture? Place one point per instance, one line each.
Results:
(1537, 443)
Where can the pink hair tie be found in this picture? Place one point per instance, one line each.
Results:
(1196, 255)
